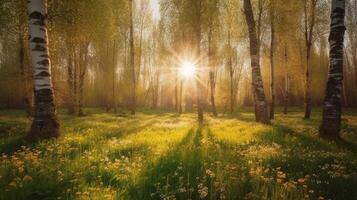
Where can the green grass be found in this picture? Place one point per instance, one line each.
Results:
(159, 155)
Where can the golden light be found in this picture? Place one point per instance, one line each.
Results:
(187, 69)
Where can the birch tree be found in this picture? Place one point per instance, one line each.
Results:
(261, 110)
(45, 123)
(132, 60)
(309, 25)
(331, 116)
(272, 40)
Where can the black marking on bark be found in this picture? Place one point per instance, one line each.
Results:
(38, 40)
(44, 62)
(39, 48)
(43, 74)
(37, 15)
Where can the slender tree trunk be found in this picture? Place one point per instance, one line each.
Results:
(272, 105)
(75, 78)
(70, 80)
(181, 91)
(132, 60)
(331, 117)
(231, 88)
(286, 93)
(198, 5)
(211, 73)
(114, 77)
(27, 98)
(231, 74)
(83, 56)
(309, 29)
(261, 110)
(45, 123)
(156, 90)
(176, 93)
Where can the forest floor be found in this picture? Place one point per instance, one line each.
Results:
(159, 155)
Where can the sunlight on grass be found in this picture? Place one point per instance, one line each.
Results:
(166, 156)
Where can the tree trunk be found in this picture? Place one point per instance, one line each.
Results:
(309, 29)
(286, 93)
(331, 116)
(45, 123)
(176, 93)
(70, 80)
(198, 5)
(231, 74)
(211, 73)
(181, 92)
(27, 98)
(272, 105)
(132, 60)
(83, 62)
(261, 111)
(231, 78)
(114, 77)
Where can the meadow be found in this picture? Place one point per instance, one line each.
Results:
(163, 155)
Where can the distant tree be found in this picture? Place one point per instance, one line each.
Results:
(309, 25)
(287, 81)
(45, 123)
(212, 13)
(272, 43)
(331, 117)
(132, 60)
(261, 110)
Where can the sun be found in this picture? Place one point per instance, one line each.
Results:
(187, 69)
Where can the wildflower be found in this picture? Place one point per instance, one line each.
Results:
(13, 184)
(27, 178)
(301, 180)
(210, 173)
(202, 191)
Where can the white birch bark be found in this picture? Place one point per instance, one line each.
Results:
(45, 124)
(331, 119)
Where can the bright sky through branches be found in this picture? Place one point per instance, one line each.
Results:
(155, 6)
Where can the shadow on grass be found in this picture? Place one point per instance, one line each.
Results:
(178, 170)
(15, 143)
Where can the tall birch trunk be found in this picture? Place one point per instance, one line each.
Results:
(199, 87)
(45, 123)
(331, 116)
(286, 93)
(70, 79)
(231, 74)
(261, 110)
(114, 77)
(272, 104)
(132, 60)
(83, 56)
(309, 29)
(211, 65)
